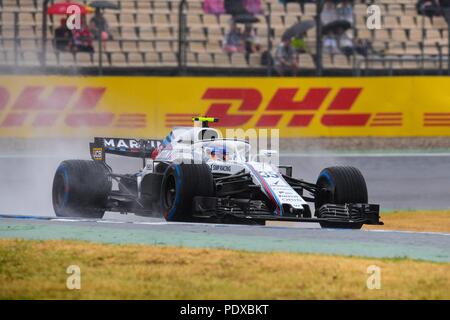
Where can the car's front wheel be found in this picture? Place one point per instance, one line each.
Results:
(180, 184)
(340, 185)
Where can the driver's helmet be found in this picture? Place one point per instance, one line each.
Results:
(219, 153)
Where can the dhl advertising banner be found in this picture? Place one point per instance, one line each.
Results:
(54, 106)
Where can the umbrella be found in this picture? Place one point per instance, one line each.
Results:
(245, 18)
(104, 5)
(61, 8)
(297, 29)
(336, 25)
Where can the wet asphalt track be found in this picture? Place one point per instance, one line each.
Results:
(396, 181)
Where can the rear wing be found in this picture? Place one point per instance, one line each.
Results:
(123, 147)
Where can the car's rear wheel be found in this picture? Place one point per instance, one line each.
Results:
(340, 185)
(80, 189)
(180, 184)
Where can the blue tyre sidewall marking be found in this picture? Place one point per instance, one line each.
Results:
(328, 177)
(65, 174)
(169, 215)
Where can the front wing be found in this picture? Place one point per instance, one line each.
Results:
(249, 211)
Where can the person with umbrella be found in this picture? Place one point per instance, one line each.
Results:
(63, 35)
(297, 34)
(286, 59)
(62, 39)
(66, 8)
(335, 22)
(99, 24)
(299, 43)
(82, 38)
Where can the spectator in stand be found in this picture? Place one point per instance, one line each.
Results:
(329, 13)
(233, 40)
(63, 37)
(286, 59)
(427, 8)
(330, 45)
(345, 44)
(300, 2)
(345, 11)
(82, 38)
(445, 9)
(254, 6)
(299, 43)
(235, 7)
(214, 7)
(251, 42)
(99, 26)
(364, 47)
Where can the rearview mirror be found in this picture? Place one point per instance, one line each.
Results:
(267, 153)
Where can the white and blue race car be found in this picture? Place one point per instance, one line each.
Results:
(196, 175)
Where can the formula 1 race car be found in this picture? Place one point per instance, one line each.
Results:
(196, 175)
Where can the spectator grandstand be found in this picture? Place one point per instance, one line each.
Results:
(146, 35)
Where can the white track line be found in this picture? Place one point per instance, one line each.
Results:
(411, 232)
(220, 225)
(241, 226)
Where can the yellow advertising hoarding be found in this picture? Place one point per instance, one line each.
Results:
(55, 106)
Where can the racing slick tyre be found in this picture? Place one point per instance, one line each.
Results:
(180, 184)
(80, 189)
(341, 185)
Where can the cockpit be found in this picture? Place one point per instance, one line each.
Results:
(223, 150)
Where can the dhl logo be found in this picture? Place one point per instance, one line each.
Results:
(283, 103)
(76, 107)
